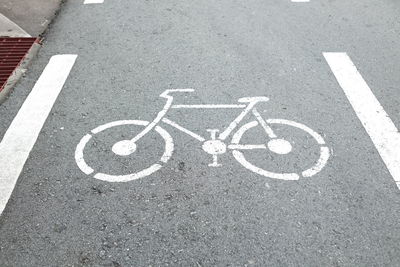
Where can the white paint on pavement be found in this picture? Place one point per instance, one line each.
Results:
(213, 146)
(93, 2)
(239, 156)
(300, 1)
(21, 136)
(246, 147)
(84, 167)
(186, 131)
(379, 126)
(210, 106)
(323, 159)
(265, 126)
(79, 155)
(283, 148)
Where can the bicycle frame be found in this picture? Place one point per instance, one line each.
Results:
(250, 106)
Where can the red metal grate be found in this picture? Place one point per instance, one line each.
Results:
(12, 52)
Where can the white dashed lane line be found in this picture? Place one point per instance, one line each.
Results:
(373, 117)
(21, 136)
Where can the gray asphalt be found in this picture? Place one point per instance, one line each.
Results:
(188, 214)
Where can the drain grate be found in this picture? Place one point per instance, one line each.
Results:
(12, 52)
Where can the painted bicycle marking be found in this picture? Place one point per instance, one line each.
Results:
(215, 145)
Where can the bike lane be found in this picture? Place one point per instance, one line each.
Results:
(188, 213)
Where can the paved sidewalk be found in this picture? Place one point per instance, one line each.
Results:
(33, 16)
(10, 29)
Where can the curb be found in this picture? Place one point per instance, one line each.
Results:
(50, 21)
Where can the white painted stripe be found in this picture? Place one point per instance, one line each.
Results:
(262, 122)
(247, 147)
(129, 177)
(209, 106)
(21, 136)
(300, 1)
(373, 117)
(282, 176)
(93, 2)
(79, 155)
(177, 126)
(323, 159)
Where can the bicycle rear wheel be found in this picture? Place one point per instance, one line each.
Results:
(85, 168)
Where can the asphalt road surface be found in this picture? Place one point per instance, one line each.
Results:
(161, 204)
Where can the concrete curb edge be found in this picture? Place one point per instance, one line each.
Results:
(48, 23)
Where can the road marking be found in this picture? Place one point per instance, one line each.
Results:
(186, 131)
(21, 136)
(84, 167)
(379, 126)
(214, 146)
(262, 122)
(323, 159)
(300, 1)
(211, 106)
(317, 167)
(79, 155)
(93, 2)
(246, 147)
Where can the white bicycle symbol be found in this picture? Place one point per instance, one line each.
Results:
(214, 146)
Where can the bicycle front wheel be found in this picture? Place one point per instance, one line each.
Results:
(279, 146)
